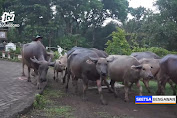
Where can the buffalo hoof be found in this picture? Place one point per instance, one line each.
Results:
(115, 95)
(63, 81)
(126, 100)
(33, 74)
(38, 87)
(23, 74)
(84, 98)
(110, 90)
(29, 80)
(53, 78)
(103, 102)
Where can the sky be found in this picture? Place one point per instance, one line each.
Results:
(136, 3)
(144, 3)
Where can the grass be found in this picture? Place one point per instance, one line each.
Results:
(53, 93)
(48, 105)
(103, 114)
(107, 115)
(61, 111)
(153, 87)
(39, 101)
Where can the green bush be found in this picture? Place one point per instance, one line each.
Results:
(118, 44)
(39, 101)
(157, 50)
(56, 55)
(17, 51)
(69, 41)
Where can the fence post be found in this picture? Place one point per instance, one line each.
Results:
(3, 54)
(8, 55)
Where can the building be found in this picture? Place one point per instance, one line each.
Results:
(3, 38)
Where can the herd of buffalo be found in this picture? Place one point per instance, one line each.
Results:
(96, 65)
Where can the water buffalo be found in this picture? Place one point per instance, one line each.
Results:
(127, 69)
(34, 55)
(60, 66)
(154, 63)
(147, 55)
(87, 65)
(168, 67)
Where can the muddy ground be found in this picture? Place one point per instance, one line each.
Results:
(60, 104)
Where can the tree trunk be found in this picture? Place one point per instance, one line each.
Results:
(93, 36)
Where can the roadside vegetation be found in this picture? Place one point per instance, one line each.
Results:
(48, 105)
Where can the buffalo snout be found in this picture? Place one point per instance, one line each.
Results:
(103, 74)
(150, 76)
(43, 80)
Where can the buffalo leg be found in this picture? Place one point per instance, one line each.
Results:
(65, 74)
(107, 84)
(54, 74)
(74, 82)
(57, 77)
(100, 92)
(172, 86)
(158, 92)
(67, 83)
(113, 88)
(29, 78)
(61, 77)
(146, 83)
(139, 87)
(163, 84)
(38, 82)
(126, 88)
(130, 86)
(85, 87)
(23, 73)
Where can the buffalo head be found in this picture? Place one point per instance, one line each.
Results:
(42, 68)
(101, 65)
(145, 70)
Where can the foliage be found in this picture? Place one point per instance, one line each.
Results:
(69, 41)
(56, 55)
(102, 35)
(17, 51)
(118, 44)
(55, 20)
(39, 101)
(62, 111)
(79, 22)
(154, 29)
(157, 50)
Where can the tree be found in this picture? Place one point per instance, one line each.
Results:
(118, 44)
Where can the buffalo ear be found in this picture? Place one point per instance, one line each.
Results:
(110, 59)
(51, 64)
(59, 62)
(89, 61)
(94, 60)
(49, 59)
(136, 67)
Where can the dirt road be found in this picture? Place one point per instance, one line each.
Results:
(92, 108)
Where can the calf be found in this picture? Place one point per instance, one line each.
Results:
(154, 63)
(127, 69)
(58, 67)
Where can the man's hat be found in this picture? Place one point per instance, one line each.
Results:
(38, 36)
